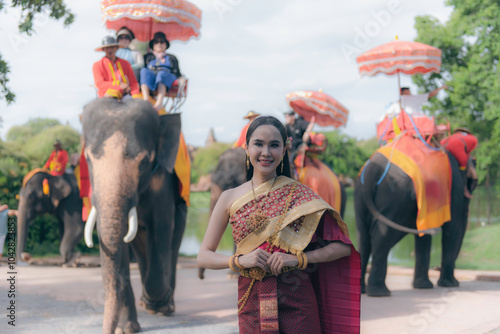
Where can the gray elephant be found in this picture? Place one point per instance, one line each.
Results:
(62, 200)
(386, 210)
(131, 153)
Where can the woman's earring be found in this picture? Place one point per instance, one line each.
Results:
(248, 163)
(281, 166)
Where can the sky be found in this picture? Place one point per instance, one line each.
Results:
(249, 56)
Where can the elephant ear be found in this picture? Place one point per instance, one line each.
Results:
(59, 189)
(168, 144)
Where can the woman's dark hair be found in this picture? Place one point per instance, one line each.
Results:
(270, 120)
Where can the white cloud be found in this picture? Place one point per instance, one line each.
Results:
(247, 58)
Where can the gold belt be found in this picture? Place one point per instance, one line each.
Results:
(259, 274)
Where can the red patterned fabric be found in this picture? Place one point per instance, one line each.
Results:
(297, 306)
(324, 298)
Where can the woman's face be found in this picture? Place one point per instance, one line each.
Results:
(265, 149)
(124, 41)
(160, 45)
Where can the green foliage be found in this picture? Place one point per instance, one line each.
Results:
(55, 9)
(35, 139)
(205, 160)
(471, 51)
(344, 155)
(13, 167)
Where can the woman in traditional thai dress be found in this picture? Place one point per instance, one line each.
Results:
(299, 272)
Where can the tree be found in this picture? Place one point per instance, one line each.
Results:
(29, 9)
(344, 155)
(471, 51)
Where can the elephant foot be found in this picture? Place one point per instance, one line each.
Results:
(448, 282)
(165, 306)
(378, 291)
(128, 328)
(422, 284)
(201, 273)
(72, 261)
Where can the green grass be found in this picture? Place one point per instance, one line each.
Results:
(481, 249)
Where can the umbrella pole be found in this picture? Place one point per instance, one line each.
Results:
(399, 93)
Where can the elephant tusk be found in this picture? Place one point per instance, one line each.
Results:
(132, 225)
(89, 227)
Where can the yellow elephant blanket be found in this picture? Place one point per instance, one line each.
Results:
(431, 174)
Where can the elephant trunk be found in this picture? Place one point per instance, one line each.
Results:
(111, 263)
(133, 226)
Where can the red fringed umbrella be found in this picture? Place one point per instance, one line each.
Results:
(178, 19)
(327, 110)
(400, 57)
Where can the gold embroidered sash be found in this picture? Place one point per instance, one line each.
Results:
(292, 238)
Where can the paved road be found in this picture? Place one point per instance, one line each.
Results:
(70, 300)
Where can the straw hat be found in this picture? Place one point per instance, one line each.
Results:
(251, 114)
(462, 129)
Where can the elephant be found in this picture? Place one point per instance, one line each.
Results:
(131, 152)
(63, 200)
(385, 203)
(231, 172)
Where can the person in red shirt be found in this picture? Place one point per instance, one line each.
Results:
(57, 161)
(114, 76)
(461, 143)
(251, 115)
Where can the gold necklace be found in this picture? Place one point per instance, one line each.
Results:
(257, 219)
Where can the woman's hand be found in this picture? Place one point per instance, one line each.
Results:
(256, 258)
(278, 260)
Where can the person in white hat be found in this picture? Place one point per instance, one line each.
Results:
(114, 76)
(124, 37)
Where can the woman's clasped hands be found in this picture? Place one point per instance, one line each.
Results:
(271, 263)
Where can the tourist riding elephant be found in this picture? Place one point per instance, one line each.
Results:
(61, 198)
(385, 199)
(131, 153)
(231, 172)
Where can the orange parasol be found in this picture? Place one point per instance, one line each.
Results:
(327, 110)
(400, 57)
(178, 19)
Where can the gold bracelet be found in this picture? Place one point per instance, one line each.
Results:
(231, 264)
(304, 260)
(301, 260)
(236, 261)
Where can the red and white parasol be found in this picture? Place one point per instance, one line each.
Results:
(178, 19)
(400, 57)
(326, 110)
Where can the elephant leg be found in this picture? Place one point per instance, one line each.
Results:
(383, 239)
(364, 248)
(180, 226)
(160, 237)
(73, 233)
(422, 261)
(452, 235)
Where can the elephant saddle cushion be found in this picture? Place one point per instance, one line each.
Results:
(430, 171)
